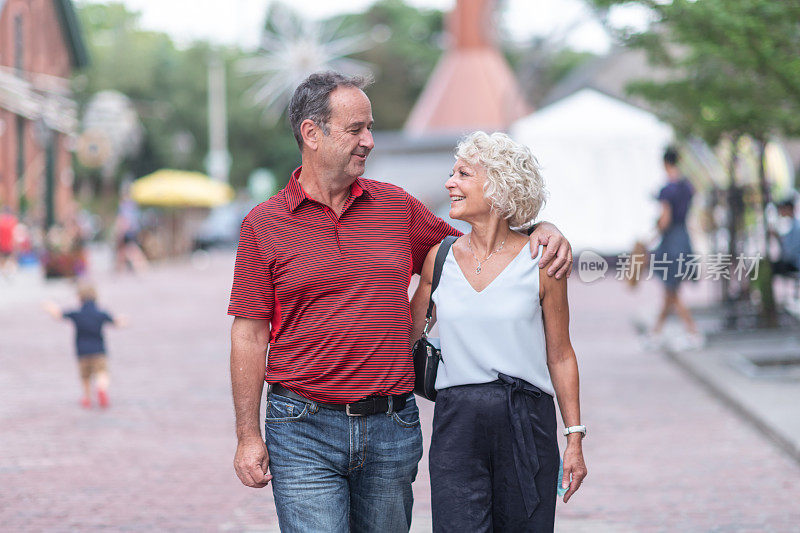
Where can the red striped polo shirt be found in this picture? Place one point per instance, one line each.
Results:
(335, 289)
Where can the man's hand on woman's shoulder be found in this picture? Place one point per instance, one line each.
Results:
(558, 255)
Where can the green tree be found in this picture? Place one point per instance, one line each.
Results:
(541, 64)
(168, 84)
(734, 70)
(407, 43)
(169, 88)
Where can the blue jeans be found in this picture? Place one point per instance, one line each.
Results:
(337, 473)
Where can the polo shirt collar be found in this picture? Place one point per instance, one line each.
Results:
(293, 191)
(295, 194)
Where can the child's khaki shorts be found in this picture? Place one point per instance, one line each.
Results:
(91, 365)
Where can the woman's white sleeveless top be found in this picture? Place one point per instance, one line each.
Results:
(497, 330)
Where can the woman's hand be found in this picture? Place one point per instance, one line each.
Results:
(573, 464)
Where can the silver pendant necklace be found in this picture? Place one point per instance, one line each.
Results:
(478, 261)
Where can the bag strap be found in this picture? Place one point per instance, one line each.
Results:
(438, 265)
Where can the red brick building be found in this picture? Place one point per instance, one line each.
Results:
(40, 47)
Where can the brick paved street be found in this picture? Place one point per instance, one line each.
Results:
(662, 454)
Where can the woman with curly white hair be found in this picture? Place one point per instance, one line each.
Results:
(506, 352)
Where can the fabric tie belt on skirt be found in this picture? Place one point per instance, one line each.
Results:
(524, 450)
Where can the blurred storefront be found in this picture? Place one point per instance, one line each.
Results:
(40, 47)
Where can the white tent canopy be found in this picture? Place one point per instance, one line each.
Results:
(601, 161)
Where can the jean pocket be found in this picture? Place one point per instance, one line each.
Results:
(408, 417)
(282, 409)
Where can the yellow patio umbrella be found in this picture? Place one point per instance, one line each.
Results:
(180, 188)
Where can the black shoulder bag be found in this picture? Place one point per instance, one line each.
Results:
(426, 355)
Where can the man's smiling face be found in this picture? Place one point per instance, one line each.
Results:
(349, 140)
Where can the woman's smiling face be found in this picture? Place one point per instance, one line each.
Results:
(465, 187)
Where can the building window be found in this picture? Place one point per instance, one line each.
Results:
(19, 57)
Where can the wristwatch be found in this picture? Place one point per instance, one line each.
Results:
(575, 429)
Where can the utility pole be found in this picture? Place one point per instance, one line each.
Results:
(218, 161)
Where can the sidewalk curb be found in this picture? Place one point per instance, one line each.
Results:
(781, 442)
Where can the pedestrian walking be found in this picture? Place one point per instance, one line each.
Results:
(506, 353)
(90, 345)
(321, 279)
(674, 249)
(8, 226)
(128, 252)
(789, 260)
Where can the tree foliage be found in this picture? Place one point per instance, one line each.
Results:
(169, 88)
(168, 84)
(407, 43)
(733, 70)
(734, 65)
(541, 65)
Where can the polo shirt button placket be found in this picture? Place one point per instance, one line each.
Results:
(335, 220)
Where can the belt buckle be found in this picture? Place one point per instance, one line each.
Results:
(347, 410)
(390, 401)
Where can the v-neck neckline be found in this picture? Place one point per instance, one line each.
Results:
(492, 282)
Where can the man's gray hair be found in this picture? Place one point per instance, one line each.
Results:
(312, 99)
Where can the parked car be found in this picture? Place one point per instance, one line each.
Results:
(221, 226)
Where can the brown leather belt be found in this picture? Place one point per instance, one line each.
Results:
(368, 406)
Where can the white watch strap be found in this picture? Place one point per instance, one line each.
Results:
(575, 429)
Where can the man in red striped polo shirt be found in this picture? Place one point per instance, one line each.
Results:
(321, 279)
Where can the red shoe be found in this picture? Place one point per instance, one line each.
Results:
(86, 403)
(102, 398)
